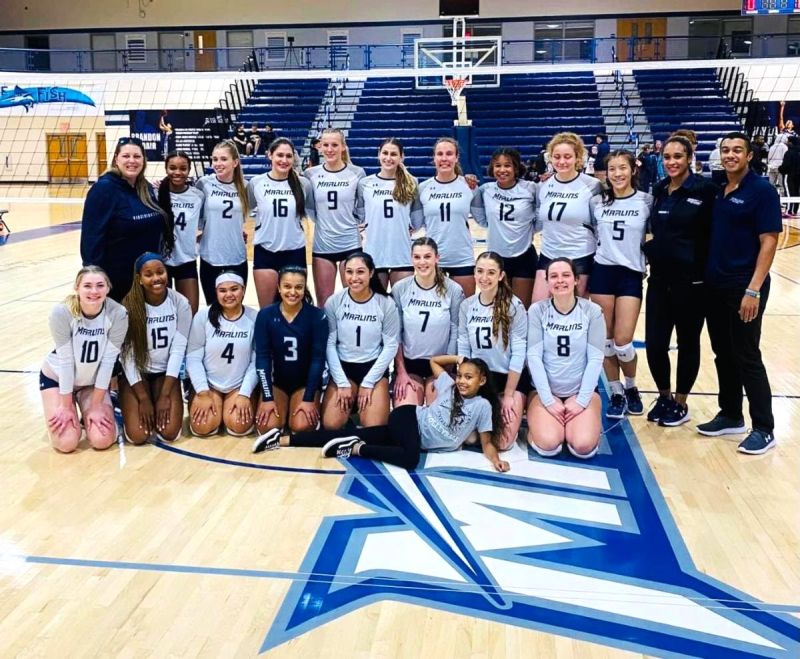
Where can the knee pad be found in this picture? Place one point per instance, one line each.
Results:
(626, 353)
(544, 452)
(583, 456)
(240, 434)
(608, 348)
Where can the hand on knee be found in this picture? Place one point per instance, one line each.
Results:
(135, 436)
(203, 429)
(101, 441)
(300, 423)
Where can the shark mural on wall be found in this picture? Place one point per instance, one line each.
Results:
(27, 97)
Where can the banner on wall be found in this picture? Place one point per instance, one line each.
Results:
(49, 100)
(162, 131)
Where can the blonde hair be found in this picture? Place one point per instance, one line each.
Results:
(574, 141)
(143, 188)
(450, 140)
(405, 186)
(238, 177)
(72, 301)
(340, 133)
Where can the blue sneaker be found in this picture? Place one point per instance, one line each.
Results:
(721, 425)
(662, 404)
(675, 415)
(633, 400)
(616, 407)
(757, 442)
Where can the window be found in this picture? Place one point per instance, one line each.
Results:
(569, 40)
(104, 56)
(793, 42)
(338, 42)
(276, 46)
(408, 38)
(171, 51)
(707, 34)
(240, 46)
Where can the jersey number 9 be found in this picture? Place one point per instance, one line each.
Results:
(333, 200)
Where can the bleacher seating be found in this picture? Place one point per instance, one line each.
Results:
(289, 106)
(528, 109)
(392, 107)
(692, 98)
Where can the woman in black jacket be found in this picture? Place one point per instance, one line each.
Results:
(790, 168)
(680, 224)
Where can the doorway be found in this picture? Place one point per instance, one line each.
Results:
(641, 39)
(102, 154)
(67, 160)
(205, 42)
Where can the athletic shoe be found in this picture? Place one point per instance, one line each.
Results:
(269, 441)
(616, 407)
(757, 442)
(675, 415)
(633, 400)
(721, 425)
(662, 404)
(341, 447)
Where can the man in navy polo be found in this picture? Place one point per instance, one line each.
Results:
(744, 236)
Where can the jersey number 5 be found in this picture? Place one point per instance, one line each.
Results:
(227, 354)
(618, 232)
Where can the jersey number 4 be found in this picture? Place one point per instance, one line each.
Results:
(180, 220)
(227, 354)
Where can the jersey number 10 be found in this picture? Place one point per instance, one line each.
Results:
(90, 352)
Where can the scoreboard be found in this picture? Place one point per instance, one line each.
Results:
(751, 7)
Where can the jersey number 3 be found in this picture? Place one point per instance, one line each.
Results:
(291, 348)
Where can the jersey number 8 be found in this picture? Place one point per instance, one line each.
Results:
(562, 343)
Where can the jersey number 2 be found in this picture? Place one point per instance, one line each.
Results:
(227, 209)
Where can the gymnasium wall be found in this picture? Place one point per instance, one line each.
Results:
(23, 141)
(21, 15)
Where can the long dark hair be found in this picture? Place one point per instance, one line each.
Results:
(486, 391)
(501, 316)
(295, 270)
(165, 202)
(215, 308)
(608, 194)
(375, 283)
(294, 179)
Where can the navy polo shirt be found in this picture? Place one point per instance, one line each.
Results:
(737, 222)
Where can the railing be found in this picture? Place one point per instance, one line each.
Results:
(624, 102)
(394, 56)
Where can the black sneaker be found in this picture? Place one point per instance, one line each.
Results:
(721, 425)
(757, 442)
(616, 407)
(675, 415)
(269, 441)
(662, 404)
(634, 401)
(341, 447)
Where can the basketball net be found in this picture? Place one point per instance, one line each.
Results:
(455, 86)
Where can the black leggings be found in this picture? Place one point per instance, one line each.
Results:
(398, 443)
(682, 307)
(793, 187)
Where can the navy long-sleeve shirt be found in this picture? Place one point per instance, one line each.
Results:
(116, 226)
(291, 351)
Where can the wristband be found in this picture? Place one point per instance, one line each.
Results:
(751, 293)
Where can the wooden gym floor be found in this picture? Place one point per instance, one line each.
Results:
(668, 544)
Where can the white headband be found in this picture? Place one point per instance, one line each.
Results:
(229, 277)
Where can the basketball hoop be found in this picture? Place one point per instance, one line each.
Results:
(455, 86)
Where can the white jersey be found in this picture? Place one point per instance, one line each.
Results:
(510, 215)
(187, 207)
(86, 348)
(428, 321)
(222, 223)
(444, 210)
(565, 351)
(336, 227)
(436, 433)
(278, 227)
(620, 228)
(167, 336)
(223, 359)
(387, 222)
(476, 339)
(564, 216)
(361, 332)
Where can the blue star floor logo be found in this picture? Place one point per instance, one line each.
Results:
(584, 550)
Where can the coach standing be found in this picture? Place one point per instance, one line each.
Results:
(744, 236)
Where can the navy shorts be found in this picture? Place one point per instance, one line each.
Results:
(523, 266)
(46, 382)
(402, 268)
(583, 265)
(186, 270)
(335, 257)
(524, 386)
(289, 384)
(263, 259)
(460, 271)
(357, 371)
(419, 367)
(616, 280)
